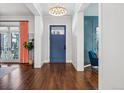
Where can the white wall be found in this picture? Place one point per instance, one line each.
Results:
(74, 41)
(111, 75)
(78, 42)
(91, 10)
(18, 18)
(51, 20)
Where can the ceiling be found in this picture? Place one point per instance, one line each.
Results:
(20, 9)
(14, 9)
(46, 6)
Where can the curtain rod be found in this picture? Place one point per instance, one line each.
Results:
(14, 21)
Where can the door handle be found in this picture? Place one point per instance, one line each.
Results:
(64, 47)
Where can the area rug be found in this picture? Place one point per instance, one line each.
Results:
(6, 70)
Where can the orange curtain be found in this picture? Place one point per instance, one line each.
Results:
(23, 39)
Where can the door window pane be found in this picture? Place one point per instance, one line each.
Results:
(57, 31)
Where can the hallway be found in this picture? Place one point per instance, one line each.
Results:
(50, 76)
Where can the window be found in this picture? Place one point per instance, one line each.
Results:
(57, 31)
(4, 28)
(14, 28)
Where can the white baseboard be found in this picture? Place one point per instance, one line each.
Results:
(74, 66)
(87, 65)
(68, 61)
(45, 61)
(38, 65)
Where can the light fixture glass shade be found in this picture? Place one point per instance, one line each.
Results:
(57, 11)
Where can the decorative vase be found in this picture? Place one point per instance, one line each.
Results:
(30, 62)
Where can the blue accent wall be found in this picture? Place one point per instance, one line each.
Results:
(90, 24)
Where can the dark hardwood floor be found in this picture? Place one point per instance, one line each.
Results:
(50, 76)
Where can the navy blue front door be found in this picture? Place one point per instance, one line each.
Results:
(57, 43)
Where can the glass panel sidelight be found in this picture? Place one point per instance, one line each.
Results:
(4, 47)
(15, 45)
(9, 45)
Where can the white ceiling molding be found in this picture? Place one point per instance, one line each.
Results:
(34, 8)
(80, 7)
(39, 9)
(91, 10)
(83, 7)
(77, 7)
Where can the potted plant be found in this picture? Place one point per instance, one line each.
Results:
(30, 45)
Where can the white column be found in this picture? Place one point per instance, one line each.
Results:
(80, 42)
(38, 42)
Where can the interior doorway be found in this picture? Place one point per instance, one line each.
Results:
(91, 36)
(91, 40)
